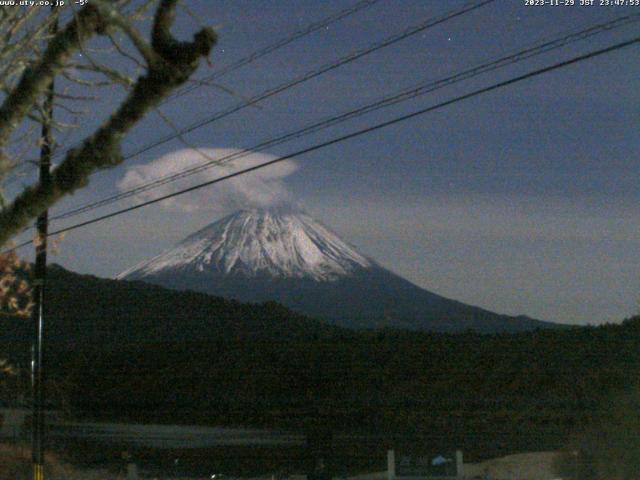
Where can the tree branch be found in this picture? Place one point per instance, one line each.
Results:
(35, 79)
(109, 11)
(176, 61)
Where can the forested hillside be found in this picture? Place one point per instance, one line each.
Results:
(130, 351)
(513, 392)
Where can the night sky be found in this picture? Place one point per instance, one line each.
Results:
(522, 201)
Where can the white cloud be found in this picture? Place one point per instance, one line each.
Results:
(262, 188)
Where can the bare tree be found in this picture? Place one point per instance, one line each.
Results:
(31, 57)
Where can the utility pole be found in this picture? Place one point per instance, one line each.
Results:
(40, 275)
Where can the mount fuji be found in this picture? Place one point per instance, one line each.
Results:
(288, 257)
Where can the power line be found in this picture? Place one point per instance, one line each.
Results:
(256, 55)
(386, 101)
(349, 136)
(431, 22)
(351, 57)
(277, 45)
(420, 89)
(408, 32)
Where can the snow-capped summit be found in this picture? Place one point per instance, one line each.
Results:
(253, 243)
(287, 257)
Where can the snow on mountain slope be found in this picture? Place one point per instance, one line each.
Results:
(255, 243)
(287, 257)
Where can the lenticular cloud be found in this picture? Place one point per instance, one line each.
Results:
(263, 188)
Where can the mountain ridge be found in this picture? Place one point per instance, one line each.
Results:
(288, 257)
(88, 310)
